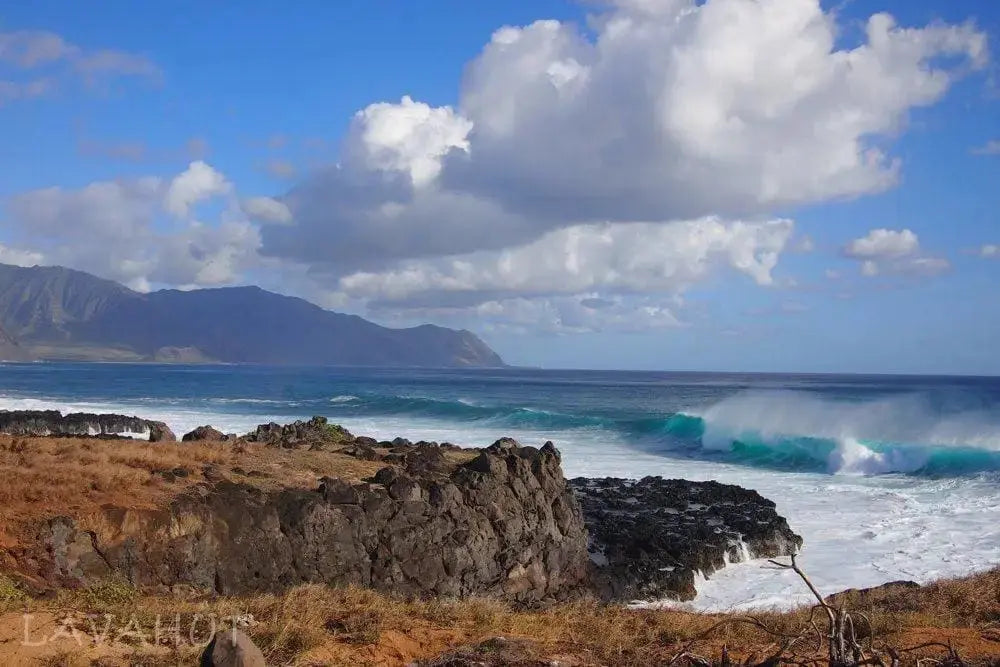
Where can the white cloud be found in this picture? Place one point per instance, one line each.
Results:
(629, 258)
(804, 244)
(267, 209)
(197, 183)
(410, 137)
(102, 209)
(883, 243)
(662, 111)
(554, 315)
(991, 147)
(893, 252)
(205, 255)
(19, 257)
(124, 230)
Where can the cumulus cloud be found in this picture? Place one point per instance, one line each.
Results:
(804, 244)
(267, 209)
(989, 250)
(19, 257)
(410, 137)
(663, 111)
(893, 252)
(883, 243)
(552, 315)
(127, 230)
(618, 257)
(196, 183)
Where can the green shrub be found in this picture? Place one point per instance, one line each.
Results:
(10, 594)
(110, 593)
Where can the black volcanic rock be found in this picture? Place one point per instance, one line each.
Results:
(504, 525)
(650, 538)
(317, 433)
(61, 313)
(54, 423)
(204, 433)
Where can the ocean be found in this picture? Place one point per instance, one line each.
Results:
(885, 477)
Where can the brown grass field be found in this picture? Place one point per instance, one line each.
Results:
(114, 624)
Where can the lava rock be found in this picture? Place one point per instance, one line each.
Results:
(316, 433)
(40, 423)
(650, 538)
(204, 433)
(510, 529)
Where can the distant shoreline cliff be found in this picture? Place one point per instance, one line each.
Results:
(58, 314)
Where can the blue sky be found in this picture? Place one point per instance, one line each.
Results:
(612, 189)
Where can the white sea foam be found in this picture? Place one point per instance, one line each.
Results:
(344, 398)
(901, 419)
(850, 457)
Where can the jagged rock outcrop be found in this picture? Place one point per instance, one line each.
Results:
(856, 597)
(204, 433)
(648, 539)
(317, 433)
(502, 525)
(54, 423)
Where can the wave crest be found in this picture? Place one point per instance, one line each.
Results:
(797, 431)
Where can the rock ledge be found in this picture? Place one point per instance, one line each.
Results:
(650, 538)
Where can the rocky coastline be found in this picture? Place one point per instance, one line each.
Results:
(52, 423)
(435, 520)
(652, 538)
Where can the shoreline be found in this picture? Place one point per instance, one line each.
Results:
(282, 460)
(805, 505)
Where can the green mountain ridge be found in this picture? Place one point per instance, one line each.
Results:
(59, 313)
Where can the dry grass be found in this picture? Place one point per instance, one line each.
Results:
(316, 625)
(44, 477)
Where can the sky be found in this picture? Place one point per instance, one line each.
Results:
(741, 185)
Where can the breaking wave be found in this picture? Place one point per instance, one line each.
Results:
(797, 431)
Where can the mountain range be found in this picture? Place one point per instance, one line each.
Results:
(61, 314)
